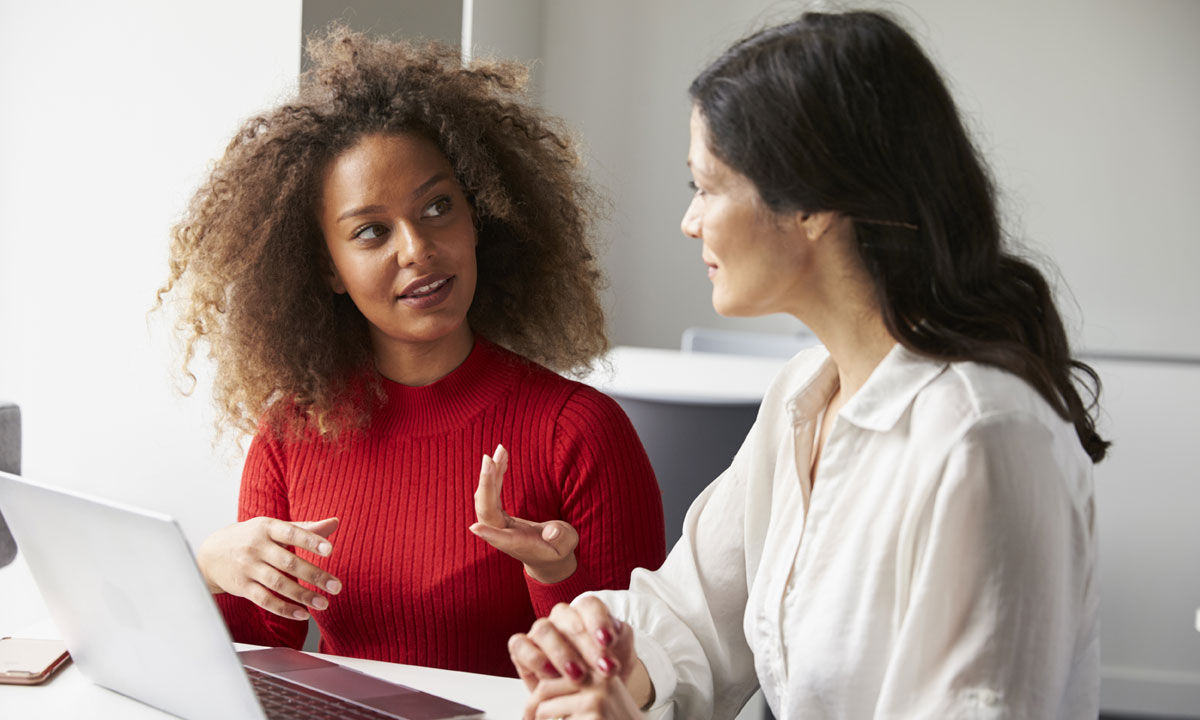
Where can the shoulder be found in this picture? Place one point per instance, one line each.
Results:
(998, 424)
(969, 395)
(547, 390)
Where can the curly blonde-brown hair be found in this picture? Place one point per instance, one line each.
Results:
(248, 261)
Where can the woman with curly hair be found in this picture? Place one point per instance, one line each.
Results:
(383, 269)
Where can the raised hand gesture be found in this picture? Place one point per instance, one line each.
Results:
(547, 549)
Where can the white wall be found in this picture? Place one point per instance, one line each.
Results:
(509, 30)
(1148, 513)
(429, 19)
(618, 71)
(110, 114)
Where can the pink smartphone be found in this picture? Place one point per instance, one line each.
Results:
(29, 662)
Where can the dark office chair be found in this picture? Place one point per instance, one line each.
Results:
(10, 461)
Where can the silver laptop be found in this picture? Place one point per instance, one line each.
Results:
(137, 616)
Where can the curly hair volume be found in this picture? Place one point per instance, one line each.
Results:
(248, 260)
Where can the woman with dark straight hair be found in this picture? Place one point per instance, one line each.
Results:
(908, 530)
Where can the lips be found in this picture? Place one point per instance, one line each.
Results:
(424, 285)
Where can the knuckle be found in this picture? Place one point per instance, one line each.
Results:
(591, 603)
(259, 596)
(541, 628)
(566, 617)
(515, 643)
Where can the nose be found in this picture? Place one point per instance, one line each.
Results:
(412, 246)
(690, 225)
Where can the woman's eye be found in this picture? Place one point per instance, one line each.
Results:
(695, 188)
(370, 232)
(437, 208)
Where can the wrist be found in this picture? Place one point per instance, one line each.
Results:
(551, 573)
(640, 686)
(202, 565)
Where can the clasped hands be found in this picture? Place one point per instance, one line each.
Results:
(252, 559)
(580, 663)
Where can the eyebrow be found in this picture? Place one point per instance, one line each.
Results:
(371, 209)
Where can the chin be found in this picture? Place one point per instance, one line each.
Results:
(725, 307)
(733, 310)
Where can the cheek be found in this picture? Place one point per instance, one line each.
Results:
(367, 274)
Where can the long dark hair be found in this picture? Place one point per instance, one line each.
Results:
(844, 112)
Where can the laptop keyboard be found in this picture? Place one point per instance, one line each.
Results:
(283, 700)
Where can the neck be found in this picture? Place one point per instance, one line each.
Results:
(857, 349)
(841, 310)
(421, 363)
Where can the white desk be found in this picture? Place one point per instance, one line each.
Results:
(671, 376)
(71, 695)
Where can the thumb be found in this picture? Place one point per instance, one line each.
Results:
(502, 540)
(622, 649)
(561, 536)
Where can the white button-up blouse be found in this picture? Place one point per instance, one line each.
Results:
(942, 566)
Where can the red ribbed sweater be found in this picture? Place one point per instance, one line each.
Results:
(419, 588)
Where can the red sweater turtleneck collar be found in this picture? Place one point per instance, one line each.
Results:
(488, 373)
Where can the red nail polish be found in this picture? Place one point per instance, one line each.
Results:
(608, 667)
(550, 670)
(604, 637)
(574, 670)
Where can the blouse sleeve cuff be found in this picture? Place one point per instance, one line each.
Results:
(662, 675)
(545, 596)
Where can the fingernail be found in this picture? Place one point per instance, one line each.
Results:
(550, 670)
(618, 625)
(483, 466)
(299, 614)
(320, 603)
(324, 548)
(552, 532)
(604, 637)
(608, 667)
(498, 449)
(333, 586)
(574, 670)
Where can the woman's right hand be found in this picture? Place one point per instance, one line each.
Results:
(251, 559)
(578, 645)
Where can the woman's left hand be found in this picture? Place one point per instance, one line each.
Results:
(547, 549)
(600, 698)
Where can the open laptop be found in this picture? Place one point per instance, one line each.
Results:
(123, 587)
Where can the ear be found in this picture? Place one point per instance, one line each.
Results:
(816, 224)
(333, 278)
